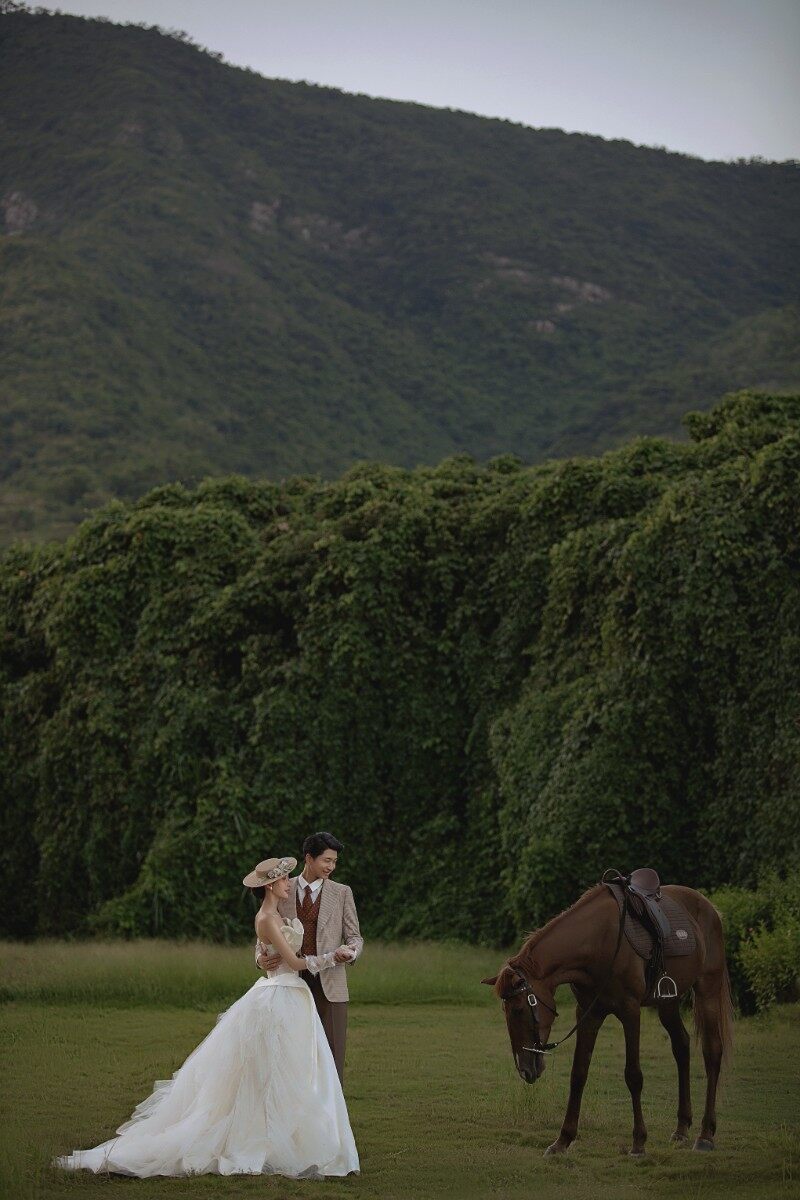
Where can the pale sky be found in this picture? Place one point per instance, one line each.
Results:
(715, 78)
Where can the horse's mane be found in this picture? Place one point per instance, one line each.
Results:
(525, 956)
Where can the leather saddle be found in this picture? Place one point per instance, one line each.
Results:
(656, 926)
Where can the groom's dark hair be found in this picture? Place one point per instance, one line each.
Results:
(318, 843)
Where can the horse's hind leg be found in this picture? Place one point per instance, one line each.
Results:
(711, 1019)
(669, 1014)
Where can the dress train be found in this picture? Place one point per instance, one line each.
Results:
(258, 1096)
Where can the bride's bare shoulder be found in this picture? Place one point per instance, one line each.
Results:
(268, 926)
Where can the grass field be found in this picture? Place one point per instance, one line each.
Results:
(436, 1107)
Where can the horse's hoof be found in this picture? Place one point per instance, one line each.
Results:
(703, 1144)
(679, 1139)
(555, 1148)
(638, 1154)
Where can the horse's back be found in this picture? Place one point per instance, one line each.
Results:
(695, 903)
(707, 921)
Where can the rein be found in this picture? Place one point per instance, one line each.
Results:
(524, 988)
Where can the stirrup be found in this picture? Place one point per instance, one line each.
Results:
(662, 988)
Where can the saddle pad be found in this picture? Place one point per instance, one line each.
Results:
(681, 938)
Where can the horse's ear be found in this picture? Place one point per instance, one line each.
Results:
(491, 982)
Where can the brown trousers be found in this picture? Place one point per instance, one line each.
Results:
(334, 1020)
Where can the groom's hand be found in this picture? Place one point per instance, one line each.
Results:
(268, 962)
(342, 955)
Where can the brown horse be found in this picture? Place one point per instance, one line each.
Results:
(584, 947)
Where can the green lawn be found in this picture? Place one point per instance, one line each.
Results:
(436, 1106)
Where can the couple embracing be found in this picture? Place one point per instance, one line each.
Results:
(262, 1093)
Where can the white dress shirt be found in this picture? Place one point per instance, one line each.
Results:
(303, 886)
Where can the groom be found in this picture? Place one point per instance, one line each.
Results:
(328, 915)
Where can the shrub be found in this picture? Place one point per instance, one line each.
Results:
(743, 913)
(771, 962)
(762, 939)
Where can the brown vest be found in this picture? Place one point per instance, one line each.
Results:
(308, 918)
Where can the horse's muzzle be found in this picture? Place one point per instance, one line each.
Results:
(530, 1066)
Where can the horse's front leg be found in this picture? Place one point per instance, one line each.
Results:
(585, 1039)
(631, 1020)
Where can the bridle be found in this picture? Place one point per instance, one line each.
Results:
(523, 988)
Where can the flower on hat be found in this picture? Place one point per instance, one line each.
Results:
(283, 868)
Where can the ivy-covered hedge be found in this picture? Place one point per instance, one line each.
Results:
(491, 682)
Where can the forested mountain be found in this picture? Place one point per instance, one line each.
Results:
(205, 271)
(539, 672)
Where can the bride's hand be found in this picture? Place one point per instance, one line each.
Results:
(343, 954)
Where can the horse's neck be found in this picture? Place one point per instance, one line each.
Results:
(564, 951)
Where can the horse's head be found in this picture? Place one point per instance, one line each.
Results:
(529, 1010)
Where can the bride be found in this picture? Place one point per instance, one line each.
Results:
(260, 1095)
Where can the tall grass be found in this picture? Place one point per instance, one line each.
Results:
(198, 975)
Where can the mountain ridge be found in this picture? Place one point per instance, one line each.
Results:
(210, 272)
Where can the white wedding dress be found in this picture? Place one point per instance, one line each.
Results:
(258, 1096)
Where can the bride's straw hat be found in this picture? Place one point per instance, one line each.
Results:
(268, 871)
